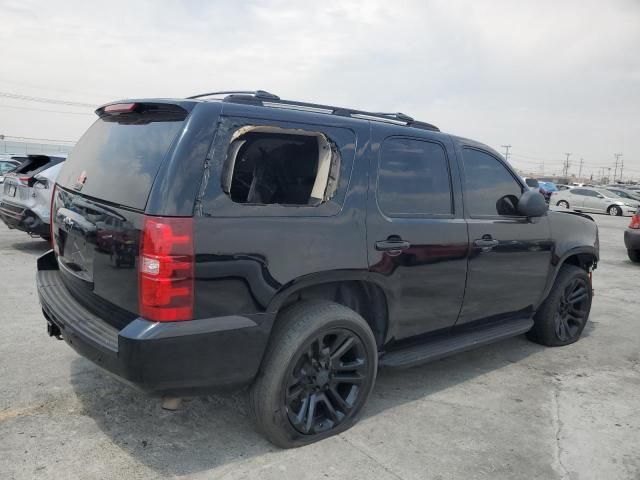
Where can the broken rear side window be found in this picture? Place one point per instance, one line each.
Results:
(276, 166)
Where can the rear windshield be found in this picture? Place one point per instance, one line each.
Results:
(36, 163)
(117, 160)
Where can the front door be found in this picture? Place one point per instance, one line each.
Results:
(510, 255)
(416, 234)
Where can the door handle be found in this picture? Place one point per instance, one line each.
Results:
(486, 241)
(392, 245)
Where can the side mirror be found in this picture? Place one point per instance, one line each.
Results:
(600, 196)
(532, 204)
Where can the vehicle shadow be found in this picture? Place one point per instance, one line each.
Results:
(212, 431)
(35, 246)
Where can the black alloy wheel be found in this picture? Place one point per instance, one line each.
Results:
(317, 373)
(563, 316)
(325, 383)
(573, 310)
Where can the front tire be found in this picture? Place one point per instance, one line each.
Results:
(614, 211)
(563, 204)
(564, 314)
(318, 371)
(634, 255)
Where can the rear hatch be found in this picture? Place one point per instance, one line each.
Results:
(18, 182)
(99, 203)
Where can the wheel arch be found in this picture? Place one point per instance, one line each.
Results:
(585, 257)
(354, 290)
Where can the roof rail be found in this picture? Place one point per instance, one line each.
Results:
(266, 99)
(255, 93)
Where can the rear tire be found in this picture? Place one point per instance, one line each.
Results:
(562, 203)
(564, 314)
(305, 390)
(634, 255)
(614, 211)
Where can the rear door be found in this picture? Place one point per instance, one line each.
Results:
(416, 234)
(510, 255)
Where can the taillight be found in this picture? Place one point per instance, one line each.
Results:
(24, 180)
(166, 269)
(120, 108)
(635, 221)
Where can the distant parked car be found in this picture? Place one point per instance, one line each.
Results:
(26, 197)
(625, 194)
(632, 238)
(532, 183)
(546, 189)
(597, 200)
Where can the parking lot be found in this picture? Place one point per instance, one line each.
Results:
(510, 410)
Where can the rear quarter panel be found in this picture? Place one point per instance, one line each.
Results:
(249, 262)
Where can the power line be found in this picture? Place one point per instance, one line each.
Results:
(506, 151)
(580, 171)
(567, 165)
(5, 137)
(55, 101)
(43, 110)
(615, 174)
(74, 91)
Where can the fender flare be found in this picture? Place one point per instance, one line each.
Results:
(320, 278)
(558, 262)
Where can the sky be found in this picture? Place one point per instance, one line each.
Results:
(546, 77)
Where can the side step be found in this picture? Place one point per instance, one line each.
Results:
(443, 347)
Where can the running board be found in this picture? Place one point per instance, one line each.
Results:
(443, 347)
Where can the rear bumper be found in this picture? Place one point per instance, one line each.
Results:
(173, 358)
(632, 239)
(22, 218)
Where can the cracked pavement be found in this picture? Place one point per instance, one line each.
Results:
(510, 410)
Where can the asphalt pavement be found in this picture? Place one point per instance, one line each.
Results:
(513, 410)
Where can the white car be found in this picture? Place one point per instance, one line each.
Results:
(25, 203)
(597, 200)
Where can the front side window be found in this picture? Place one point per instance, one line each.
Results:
(490, 188)
(578, 191)
(413, 178)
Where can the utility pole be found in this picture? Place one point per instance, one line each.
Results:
(580, 171)
(506, 151)
(566, 165)
(615, 176)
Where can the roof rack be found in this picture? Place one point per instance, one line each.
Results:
(255, 93)
(266, 99)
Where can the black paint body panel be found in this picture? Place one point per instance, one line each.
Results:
(250, 259)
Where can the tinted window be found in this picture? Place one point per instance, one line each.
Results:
(6, 167)
(532, 182)
(413, 178)
(120, 160)
(579, 191)
(490, 187)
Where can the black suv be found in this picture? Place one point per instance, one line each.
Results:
(212, 243)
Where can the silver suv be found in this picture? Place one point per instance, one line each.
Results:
(25, 203)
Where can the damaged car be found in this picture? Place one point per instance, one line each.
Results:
(295, 248)
(26, 194)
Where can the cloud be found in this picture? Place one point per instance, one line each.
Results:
(547, 77)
